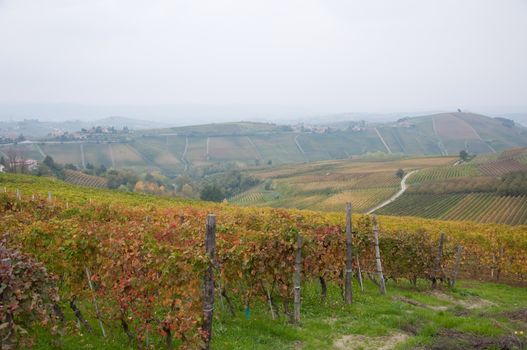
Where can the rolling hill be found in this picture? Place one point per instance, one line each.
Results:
(110, 270)
(488, 188)
(328, 185)
(253, 145)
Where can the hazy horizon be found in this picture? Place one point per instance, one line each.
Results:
(294, 58)
(181, 115)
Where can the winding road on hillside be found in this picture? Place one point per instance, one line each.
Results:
(395, 196)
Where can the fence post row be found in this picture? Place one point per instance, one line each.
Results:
(348, 293)
(382, 286)
(208, 288)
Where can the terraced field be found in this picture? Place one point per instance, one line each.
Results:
(434, 174)
(422, 205)
(415, 140)
(478, 207)
(248, 198)
(30, 151)
(81, 179)
(494, 132)
(490, 208)
(362, 199)
(157, 152)
(126, 156)
(255, 145)
(63, 153)
(501, 167)
(233, 148)
(197, 151)
(98, 153)
(278, 148)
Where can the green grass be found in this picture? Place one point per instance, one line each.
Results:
(322, 323)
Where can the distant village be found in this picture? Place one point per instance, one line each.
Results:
(86, 134)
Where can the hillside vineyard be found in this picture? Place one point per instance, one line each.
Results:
(147, 257)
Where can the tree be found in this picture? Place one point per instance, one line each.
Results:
(183, 180)
(70, 166)
(463, 155)
(399, 173)
(212, 192)
(49, 162)
(12, 159)
(186, 189)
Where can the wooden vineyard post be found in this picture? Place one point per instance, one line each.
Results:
(348, 293)
(208, 288)
(439, 258)
(455, 270)
(378, 264)
(9, 340)
(270, 302)
(97, 313)
(18, 196)
(359, 273)
(49, 197)
(298, 270)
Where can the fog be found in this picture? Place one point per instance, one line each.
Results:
(271, 57)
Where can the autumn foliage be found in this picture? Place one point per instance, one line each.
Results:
(147, 262)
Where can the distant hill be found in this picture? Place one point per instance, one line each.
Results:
(34, 128)
(250, 144)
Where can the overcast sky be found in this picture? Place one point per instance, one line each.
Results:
(363, 55)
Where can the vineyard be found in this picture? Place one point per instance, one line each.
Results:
(477, 207)
(501, 167)
(422, 205)
(328, 185)
(247, 198)
(488, 188)
(362, 199)
(510, 210)
(81, 179)
(144, 258)
(442, 173)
